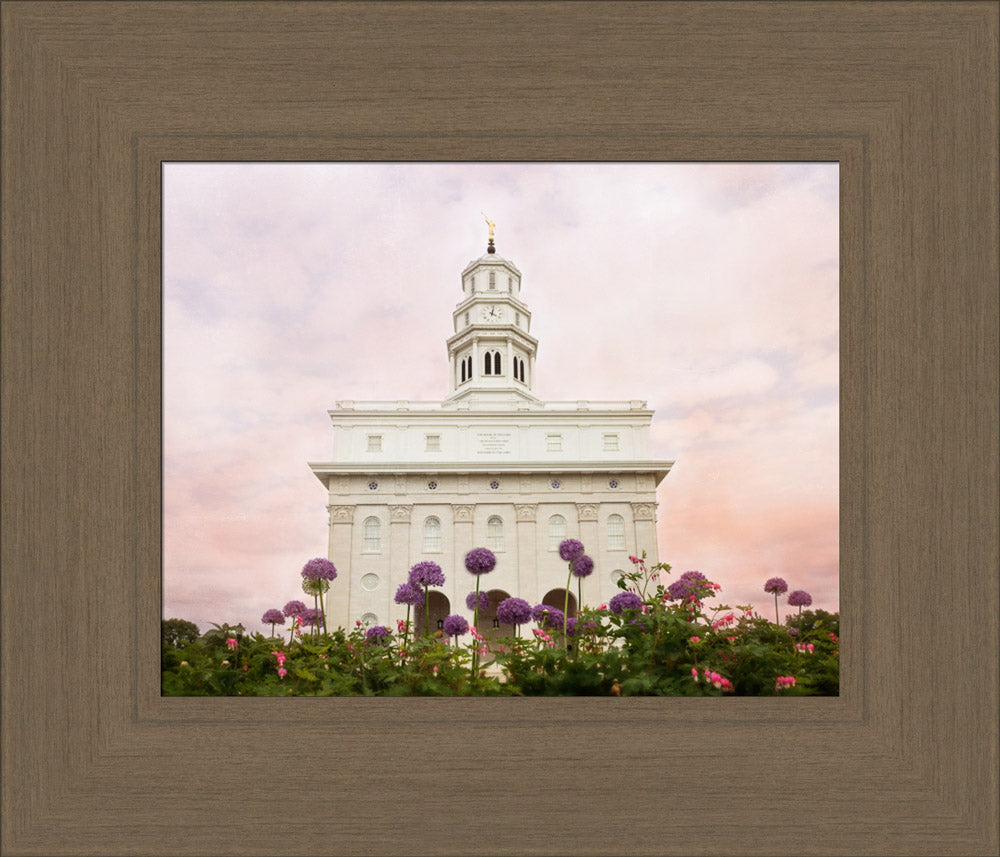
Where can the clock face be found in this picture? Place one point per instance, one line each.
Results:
(492, 313)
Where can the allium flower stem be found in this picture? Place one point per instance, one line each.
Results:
(475, 624)
(777, 621)
(427, 612)
(569, 581)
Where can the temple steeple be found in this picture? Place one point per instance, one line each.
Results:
(492, 354)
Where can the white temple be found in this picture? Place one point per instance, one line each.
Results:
(490, 466)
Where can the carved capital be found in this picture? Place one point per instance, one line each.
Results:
(642, 511)
(586, 511)
(462, 513)
(400, 514)
(526, 511)
(340, 514)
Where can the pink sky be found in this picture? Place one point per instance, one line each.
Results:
(709, 290)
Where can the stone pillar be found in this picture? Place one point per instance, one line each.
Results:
(644, 530)
(590, 536)
(477, 370)
(455, 581)
(527, 553)
(399, 548)
(340, 553)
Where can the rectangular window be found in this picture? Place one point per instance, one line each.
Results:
(433, 443)
(517, 319)
(374, 443)
(553, 442)
(493, 280)
(611, 443)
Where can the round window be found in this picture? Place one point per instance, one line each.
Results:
(613, 483)
(368, 620)
(556, 483)
(494, 485)
(432, 485)
(369, 581)
(372, 486)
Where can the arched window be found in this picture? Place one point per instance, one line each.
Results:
(488, 364)
(494, 534)
(432, 535)
(557, 531)
(522, 370)
(496, 363)
(463, 368)
(616, 533)
(373, 536)
(469, 358)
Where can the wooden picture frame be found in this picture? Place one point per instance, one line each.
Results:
(96, 96)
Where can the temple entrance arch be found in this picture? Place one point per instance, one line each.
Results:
(557, 598)
(439, 608)
(489, 626)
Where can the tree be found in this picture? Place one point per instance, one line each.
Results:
(815, 620)
(178, 632)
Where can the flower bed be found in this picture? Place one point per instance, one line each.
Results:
(647, 640)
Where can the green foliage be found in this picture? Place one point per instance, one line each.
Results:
(177, 632)
(665, 648)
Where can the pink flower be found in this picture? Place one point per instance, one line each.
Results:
(694, 673)
(400, 625)
(696, 639)
(246, 667)
(357, 623)
(633, 559)
(282, 672)
(603, 607)
(231, 643)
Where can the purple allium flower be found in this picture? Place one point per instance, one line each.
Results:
(319, 569)
(800, 598)
(688, 584)
(570, 549)
(571, 626)
(582, 565)
(792, 632)
(547, 616)
(513, 611)
(376, 633)
(310, 616)
(294, 608)
(776, 585)
(455, 625)
(409, 593)
(480, 561)
(484, 601)
(427, 574)
(273, 617)
(624, 601)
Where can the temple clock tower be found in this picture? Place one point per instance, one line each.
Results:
(492, 353)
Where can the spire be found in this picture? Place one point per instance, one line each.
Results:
(490, 248)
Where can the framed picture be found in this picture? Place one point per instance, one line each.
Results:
(97, 97)
(629, 314)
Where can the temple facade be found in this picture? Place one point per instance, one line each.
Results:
(490, 466)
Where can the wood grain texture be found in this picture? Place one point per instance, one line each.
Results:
(96, 95)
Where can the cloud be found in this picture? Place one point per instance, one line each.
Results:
(708, 290)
